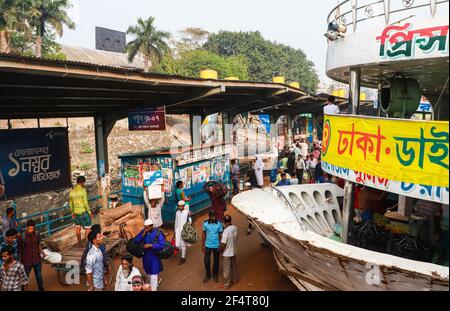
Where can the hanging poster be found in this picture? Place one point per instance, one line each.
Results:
(148, 120)
(188, 177)
(168, 181)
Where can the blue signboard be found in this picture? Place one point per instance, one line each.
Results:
(265, 119)
(33, 161)
(148, 120)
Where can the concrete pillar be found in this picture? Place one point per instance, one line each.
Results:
(102, 130)
(195, 127)
(274, 130)
(290, 132)
(227, 126)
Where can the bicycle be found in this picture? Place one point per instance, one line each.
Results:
(124, 237)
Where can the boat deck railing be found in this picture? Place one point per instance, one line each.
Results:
(352, 13)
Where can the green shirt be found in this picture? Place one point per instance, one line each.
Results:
(78, 200)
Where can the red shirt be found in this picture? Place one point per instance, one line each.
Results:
(30, 255)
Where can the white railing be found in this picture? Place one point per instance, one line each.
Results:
(350, 13)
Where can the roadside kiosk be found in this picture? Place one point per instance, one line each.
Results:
(192, 165)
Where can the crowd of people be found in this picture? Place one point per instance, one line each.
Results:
(21, 252)
(300, 163)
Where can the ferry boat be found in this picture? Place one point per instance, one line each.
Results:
(401, 48)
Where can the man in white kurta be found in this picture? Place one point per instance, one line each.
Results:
(181, 217)
(125, 274)
(154, 209)
(259, 169)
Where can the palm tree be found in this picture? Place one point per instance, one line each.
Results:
(44, 13)
(148, 41)
(11, 18)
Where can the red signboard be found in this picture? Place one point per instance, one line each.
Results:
(147, 120)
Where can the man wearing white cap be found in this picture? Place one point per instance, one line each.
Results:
(181, 217)
(154, 242)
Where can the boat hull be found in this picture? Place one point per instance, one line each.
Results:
(314, 262)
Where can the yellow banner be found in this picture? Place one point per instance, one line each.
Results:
(400, 150)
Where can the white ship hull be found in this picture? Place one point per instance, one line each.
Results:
(297, 221)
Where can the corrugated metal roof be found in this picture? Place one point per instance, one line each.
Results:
(98, 57)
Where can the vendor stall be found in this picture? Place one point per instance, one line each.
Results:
(193, 166)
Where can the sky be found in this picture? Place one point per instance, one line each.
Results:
(298, 23)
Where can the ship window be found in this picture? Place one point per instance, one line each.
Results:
(307, 199)
(321, 222)
(329, 197)
(329, 219)
(319, 198)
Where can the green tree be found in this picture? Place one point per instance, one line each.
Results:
(264, 58)
(43, 14)
(190, 63)
(11, 18)
(192, 38)
(22, 44)
(149, 42)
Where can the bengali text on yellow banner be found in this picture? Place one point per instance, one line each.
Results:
(400, 150)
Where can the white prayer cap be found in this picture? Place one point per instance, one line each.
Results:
(181, 203)
(148, 222)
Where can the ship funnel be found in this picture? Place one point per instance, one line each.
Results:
(400, 97)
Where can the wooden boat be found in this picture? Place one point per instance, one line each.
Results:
(297, 220)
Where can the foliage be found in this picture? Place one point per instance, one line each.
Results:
(85, 166)
(190, 63)
(85, 147)
(37, 23)
(265, 58)
(23, 44)
(192, 38)
(49, 14)
(148, 41)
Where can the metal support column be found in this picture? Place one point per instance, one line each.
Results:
(103, 128)
(354, 89)
(349, 189)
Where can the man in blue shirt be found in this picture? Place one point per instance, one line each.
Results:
(10, 240)
(212, 234)
(284, 181)
(9, 221)
(154, 242)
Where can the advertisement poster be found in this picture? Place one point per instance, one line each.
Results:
(33, 161)
(168, 181)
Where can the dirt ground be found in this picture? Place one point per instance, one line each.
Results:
(256, 267)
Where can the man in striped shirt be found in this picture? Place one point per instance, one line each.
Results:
(12, 273)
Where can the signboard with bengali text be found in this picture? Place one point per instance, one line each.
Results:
(407, 151)
(148, 120)
(34, 161)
